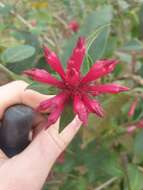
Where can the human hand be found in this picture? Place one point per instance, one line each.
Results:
(29, 169)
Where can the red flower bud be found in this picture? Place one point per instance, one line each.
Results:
(73, 25)
(133, 107)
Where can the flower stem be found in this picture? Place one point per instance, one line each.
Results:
(10, 74)
(106, 184)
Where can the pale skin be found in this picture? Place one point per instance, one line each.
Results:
(29, 169)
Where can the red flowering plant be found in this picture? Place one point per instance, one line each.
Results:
(73, 26)
(73, 86)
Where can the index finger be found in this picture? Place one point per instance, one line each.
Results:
(70, 130)
(32, 98)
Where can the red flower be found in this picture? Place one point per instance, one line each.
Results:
(73, 86)
(140, 124)
(33, 22)
(133, 107)
(73, 25)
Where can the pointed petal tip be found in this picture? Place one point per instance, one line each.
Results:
(53, 60)
(123, 89)
(81, 42)
(29, 72)
(119, 88)
(47, 51)
(107, 61)
(84, 121)
(100, 112)
(99, 69)
(77, 56)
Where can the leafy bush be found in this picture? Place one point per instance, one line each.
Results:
(108, 153)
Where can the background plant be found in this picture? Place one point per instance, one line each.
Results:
(108, 153)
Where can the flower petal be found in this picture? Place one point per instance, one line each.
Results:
(76, 59)
(54, 62)
(80, 109)
(43, 76)
(54, 105)
(106, 88)
(72, 77)
(54, 115)
(54, 102)
(93, 106)
(133, 107)
(99, 69)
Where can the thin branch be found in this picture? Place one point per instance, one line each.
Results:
(136, 78)
(53, 182)
(9, 73)
(106, 184)
(60, 20)
(140, 169)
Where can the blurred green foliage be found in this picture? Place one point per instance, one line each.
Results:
(104, 154)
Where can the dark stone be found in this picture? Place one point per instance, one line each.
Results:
(15, 128)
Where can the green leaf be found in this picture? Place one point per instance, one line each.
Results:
(124, 57)
(18, 53)
(96, 19)
(97, 44)
(118, 70)
(133, 45)
(67, 116)
(135, 177)
(5, 9)
(42, 88)
(20, 66)
(123, 4)
(28, 38)
(138, 146)
(140, 15)
(111, 46)
(102, 163)
(5, 75)
(87, 64)
(82, 183)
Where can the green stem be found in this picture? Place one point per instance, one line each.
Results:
(11, 75)
(106, 184)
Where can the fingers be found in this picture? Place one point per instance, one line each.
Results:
(38, 125)
(39, 157)
(65, 137)
(32, 98)
(11, 94)
(70, 131)
(55, 127)
(16, 93)
(33, 163)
